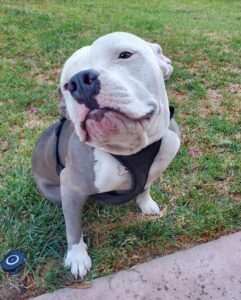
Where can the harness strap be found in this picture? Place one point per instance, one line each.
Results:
(172, 110)
(58, 129)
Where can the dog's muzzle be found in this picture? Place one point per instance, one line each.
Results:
(84, 86)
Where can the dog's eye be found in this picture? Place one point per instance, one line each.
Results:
(125, 55)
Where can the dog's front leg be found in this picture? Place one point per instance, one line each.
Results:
(168, 150)
(77, 258)
(146, 204)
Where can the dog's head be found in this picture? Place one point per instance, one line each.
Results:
(115, 93)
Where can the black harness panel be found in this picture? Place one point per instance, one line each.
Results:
(137, 164)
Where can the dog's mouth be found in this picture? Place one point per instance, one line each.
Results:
(98, 114)
(107, 120)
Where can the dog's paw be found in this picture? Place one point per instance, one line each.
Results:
(148, 206)
(78, 260)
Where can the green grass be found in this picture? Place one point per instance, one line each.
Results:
(200, 195)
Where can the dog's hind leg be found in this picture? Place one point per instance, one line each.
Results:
(50, 191)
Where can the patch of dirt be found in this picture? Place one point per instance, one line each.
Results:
(44, 78)
(142, 253)
(57, 71)
(204, 111)
(178, 96)
(234, 88)
(231, 68)
(218, 37)
(11, 101)
(34, 121)
(17, 288)
(213, 35)
(9, 294)
(222, 187)
(101, 232)
(149, 251)
(195, 66)
(214, 97)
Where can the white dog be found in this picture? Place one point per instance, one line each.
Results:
(118, 136)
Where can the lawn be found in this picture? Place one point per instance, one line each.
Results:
(199, 192)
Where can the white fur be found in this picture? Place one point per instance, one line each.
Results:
(169, 148)
(78, 260)
(108, 175)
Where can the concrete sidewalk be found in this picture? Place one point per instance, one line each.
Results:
(207, 271)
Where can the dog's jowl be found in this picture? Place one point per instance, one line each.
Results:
(117, 134)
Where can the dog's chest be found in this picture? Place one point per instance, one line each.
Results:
(110, 174)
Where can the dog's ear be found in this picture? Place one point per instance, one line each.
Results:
(62, 104)
(164, 62)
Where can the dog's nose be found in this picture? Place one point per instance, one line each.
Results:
(84, 86)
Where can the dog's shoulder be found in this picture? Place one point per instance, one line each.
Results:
(80, 155)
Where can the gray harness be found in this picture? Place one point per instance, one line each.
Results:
(137, 164)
